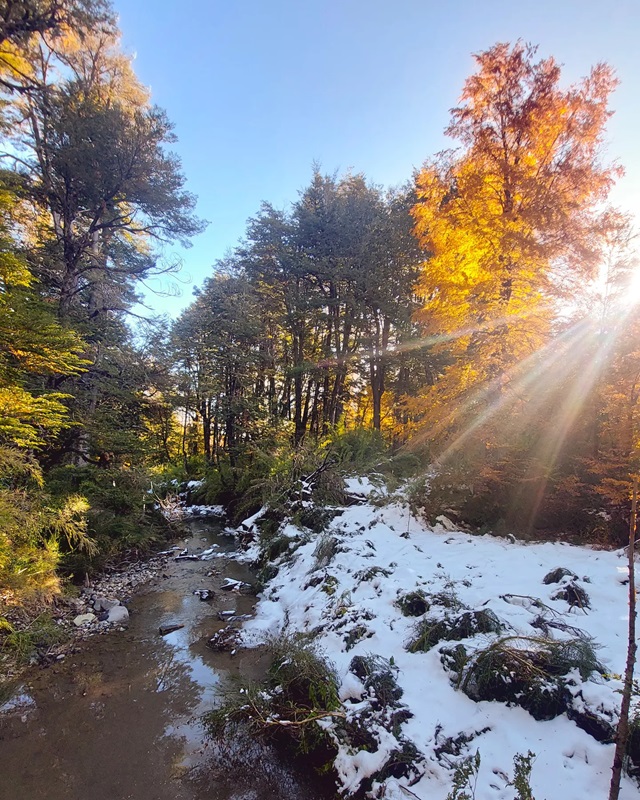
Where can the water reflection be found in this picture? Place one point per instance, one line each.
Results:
(121, 719)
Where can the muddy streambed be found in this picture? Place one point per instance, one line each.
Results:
(120, 719)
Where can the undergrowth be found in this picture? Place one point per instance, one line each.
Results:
(300, 689)
(38, 636)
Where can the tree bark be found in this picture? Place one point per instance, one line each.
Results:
(622, 733)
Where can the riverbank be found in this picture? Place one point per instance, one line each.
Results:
(44, 633)
(446, 644)
(120, 716)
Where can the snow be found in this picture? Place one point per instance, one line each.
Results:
(482, 572)
(203, 511)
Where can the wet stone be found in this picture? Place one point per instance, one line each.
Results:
(205, 594)
(104, 604)
(163, 630)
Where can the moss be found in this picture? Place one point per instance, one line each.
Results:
(329, 585)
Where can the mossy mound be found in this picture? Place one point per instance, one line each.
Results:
(557, 574)
(413, 604)
(530, 673)
(431, 631)
(378, 676)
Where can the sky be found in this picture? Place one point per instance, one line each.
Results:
(260, 90)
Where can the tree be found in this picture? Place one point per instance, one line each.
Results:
(100, 196)
(34, 347)
(336, 274)
(512, 221)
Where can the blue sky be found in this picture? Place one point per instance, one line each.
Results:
(260, 89)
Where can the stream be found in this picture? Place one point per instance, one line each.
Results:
(120, 719)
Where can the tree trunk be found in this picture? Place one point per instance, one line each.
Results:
(205, 412)
(622, 733)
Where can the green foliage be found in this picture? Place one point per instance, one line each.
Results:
(358, 450)
(522, 766)
(429, 632)
(36, 527)
(300, 688)
(38, 636)
(379, 676)
(465, 778)
(529, 671)
(120, 514)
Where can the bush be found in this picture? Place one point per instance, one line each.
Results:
(121, 515)
(430, 632)
(529, 672)
(36, 530)
(37, 637)
(359, 450)
(300, 688)
(413, 604)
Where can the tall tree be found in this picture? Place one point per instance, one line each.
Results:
(101, 192)
(513, 218)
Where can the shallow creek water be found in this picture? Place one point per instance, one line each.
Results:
(120, 720)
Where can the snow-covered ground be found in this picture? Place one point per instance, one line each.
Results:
(336, 592)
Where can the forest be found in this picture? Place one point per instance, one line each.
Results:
(475, 330)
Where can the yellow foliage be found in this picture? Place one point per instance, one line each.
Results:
(511, 224)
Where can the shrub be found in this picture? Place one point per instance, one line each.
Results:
(430, 631)
(378, 675)
(301, 687)
(121, 514)
(413, 604)
(529, 672)
(37, 637)
(360, 449)
(573, 594)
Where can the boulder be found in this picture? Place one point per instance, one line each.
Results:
(104, 604)
(118, 615)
